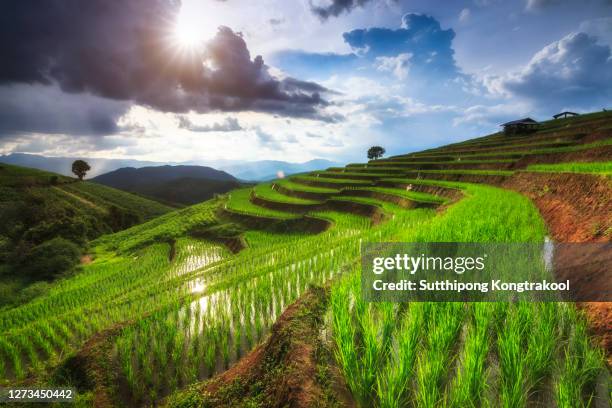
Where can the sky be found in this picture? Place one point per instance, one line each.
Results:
(206, 80)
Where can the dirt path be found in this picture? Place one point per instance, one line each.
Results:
(82, 200)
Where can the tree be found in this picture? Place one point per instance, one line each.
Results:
(80, 168)
(375, 152)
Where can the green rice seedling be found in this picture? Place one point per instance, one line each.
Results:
(542, 343)
(375, 327)
(12, 354)
(328, 182)
(239, 202)
(210, 357)
(393, 382)
(411, 195)
(27, 347)
(469, 383)
(344, 334)
(581, 365)
(511, 345)
(432, 365)
(268, 192)
(287, 183)
(604, 168)
(475, 172)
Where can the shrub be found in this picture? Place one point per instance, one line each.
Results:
(119, 218)
(52, 258)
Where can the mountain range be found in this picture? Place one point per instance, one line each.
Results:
(174, 185)
(244, 170)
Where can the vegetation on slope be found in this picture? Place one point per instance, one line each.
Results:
(590, 167)
(397, 356)
(47, 220)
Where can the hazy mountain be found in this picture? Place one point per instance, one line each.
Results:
(270, 169)
(171, 184)
(63, 165)
(249, 170)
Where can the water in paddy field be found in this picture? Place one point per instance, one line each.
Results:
(194, 256)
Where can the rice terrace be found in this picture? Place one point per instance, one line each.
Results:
(253, 298)
(306, 203)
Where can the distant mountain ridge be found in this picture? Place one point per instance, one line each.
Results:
(264, 170)
(244, 170)
(63, 165)
(125, 176)
(183, 185)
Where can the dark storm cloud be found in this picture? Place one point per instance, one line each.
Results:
(336, 7)
(46, 109)
(121, 50)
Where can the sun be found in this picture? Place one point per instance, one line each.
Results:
(186, 31)
(192, 28)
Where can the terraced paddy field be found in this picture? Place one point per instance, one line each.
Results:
(254, 298)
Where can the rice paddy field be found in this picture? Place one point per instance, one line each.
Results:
(167, 305)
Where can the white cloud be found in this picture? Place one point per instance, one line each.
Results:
(398, 65)
(464, 15)
(533, 5)
(491, 115)
(575, 69)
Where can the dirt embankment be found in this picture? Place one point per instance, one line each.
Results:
(576, 208)
(93, 369)
(293, 368)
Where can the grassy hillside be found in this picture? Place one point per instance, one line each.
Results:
(169, 304)
(42, 214)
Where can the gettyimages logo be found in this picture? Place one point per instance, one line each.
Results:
(413, 264)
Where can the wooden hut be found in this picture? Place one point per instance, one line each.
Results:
(525, 125)
(564, 115)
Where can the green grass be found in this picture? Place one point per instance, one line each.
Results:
(287, 183)
(331, 180)
(267, 192)
(550, 150)
(37, 206)
(508, 146)
(468, 171)
(239, 202)
(575, 167)
(16, 176)
(107, 196)
(411, 195)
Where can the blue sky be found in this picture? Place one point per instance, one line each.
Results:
(297, 80)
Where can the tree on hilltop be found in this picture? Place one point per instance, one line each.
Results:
(80, 168)
(375, 152)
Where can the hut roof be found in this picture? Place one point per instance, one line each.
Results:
(524, 121)
(566, 113)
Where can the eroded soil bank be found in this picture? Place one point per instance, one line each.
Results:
(576, 208)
